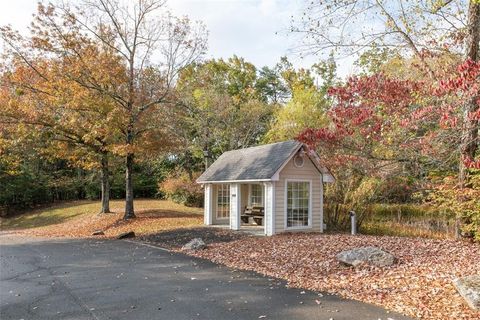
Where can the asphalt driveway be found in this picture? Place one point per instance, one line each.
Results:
(115, 279)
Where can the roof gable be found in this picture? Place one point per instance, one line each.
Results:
(256, 163)
(313, 159)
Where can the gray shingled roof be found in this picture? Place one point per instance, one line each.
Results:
(256, 163)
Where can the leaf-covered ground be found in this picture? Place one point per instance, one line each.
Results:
(418, 285)
(81, 219)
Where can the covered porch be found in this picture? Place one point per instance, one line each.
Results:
(244, 206)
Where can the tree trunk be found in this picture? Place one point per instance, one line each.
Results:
(473, 30)
(129, 212)
(188, 164)
(469, 144)
(469, 139)
(105, 185)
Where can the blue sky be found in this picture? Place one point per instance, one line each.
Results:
(254, 29)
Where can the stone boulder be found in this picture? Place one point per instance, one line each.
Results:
(195, 244)
(98, 233)
(469, 289)
(366, 255)
(125, 235)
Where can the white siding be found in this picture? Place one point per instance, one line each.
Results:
(307, 172)
(208, 210)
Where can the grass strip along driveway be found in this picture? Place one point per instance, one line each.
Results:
(79, 219)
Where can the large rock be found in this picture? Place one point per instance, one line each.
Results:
(125, 235)
(195, 244)
(369, 255)
(469, 289)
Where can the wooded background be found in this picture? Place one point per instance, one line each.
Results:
(109, 99)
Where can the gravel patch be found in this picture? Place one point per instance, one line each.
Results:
(175, 239)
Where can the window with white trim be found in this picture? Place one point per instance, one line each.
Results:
(223, 201)
(256, 195)
(298, 204)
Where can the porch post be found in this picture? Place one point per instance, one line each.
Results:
(269, 208)
(208, 207)
(235, 206)
(322, 225)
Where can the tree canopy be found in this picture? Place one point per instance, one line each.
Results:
(100, 87)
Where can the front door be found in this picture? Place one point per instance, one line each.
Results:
(223, 201)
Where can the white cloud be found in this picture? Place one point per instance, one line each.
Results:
(251, 29)
(17, 13)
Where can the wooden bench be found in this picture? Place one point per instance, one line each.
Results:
(257, 213)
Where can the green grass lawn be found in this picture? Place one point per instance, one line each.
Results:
(151, 213)
(51, 215)
(392, 228)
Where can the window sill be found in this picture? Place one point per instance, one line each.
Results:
(298, 228)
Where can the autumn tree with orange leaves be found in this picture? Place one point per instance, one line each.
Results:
(128, 54)
(74, 123)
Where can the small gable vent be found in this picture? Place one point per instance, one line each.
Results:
(299, 160)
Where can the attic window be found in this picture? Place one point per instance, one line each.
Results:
(299, 160)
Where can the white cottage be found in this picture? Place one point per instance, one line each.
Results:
(277, 187)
